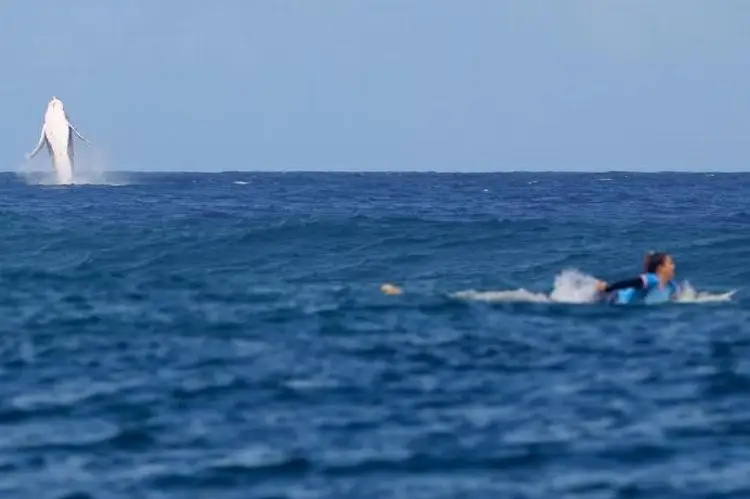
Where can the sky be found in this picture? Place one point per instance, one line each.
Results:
(443, 85)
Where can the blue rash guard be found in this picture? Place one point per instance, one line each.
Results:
(643, 289)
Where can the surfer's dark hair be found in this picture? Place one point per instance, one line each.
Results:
(653, 260)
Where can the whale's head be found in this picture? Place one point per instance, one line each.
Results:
(54, 110)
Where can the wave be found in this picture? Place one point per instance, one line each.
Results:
(575, 287)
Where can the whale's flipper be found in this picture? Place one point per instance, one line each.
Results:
(78, 134)
(42, 140)
(51, 154)
(75, 130)
(71, 153)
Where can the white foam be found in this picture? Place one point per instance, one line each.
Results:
(516, 295)
(90, 169)
(688, 294)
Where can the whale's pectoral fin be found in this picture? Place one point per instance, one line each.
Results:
(42, 140)
(71, 150)
(51, 154)
(78, 134)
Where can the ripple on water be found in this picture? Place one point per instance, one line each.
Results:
(186, 337)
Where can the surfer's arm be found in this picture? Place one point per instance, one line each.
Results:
(636, 283)
(38, 146)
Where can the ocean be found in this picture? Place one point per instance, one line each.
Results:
(224, 335)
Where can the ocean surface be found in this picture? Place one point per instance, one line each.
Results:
(225, 336)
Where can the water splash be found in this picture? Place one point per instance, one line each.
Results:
(91, 169)
(573, 286)
(688, 294)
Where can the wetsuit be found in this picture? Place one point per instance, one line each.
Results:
(645, 288)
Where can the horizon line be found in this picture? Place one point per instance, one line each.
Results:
(370, 171)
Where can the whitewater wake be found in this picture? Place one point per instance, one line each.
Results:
(572, 286)
(90, 169)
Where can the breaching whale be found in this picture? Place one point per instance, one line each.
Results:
(57, 134)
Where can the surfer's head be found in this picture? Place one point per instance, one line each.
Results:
(660, 264)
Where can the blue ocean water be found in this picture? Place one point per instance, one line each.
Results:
(224, 336)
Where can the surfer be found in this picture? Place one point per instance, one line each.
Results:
(655, 285)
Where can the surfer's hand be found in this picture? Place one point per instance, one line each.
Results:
(600, 286)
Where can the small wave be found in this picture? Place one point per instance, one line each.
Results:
(572, 286)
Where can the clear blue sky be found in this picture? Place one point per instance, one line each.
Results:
(384, 84)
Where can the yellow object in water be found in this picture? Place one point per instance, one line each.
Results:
(390, 289)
